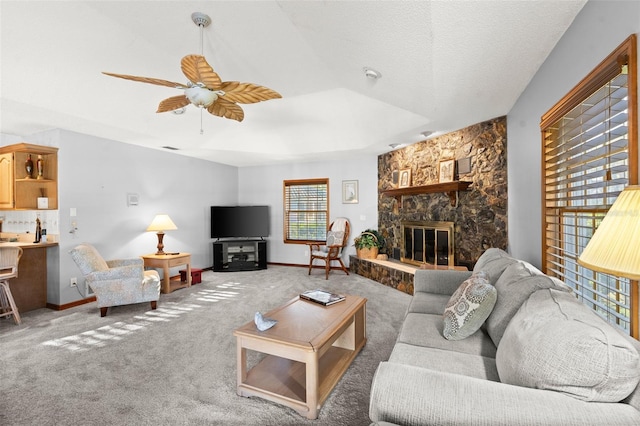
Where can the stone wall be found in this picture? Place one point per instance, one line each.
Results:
(480, 216)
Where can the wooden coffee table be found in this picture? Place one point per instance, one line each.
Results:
(308, 351)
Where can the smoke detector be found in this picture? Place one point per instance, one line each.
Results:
(371, 73)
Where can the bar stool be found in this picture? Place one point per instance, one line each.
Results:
(9, 258)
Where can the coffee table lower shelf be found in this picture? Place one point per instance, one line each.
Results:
(283, 380)
(304, 355)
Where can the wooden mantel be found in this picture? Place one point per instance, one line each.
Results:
(450, 188)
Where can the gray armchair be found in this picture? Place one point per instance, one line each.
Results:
(116, 282)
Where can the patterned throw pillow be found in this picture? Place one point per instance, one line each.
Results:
(334, 238)
(469, 307)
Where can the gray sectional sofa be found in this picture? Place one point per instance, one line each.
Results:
(541, 357)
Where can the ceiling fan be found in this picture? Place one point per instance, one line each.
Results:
(205, 89)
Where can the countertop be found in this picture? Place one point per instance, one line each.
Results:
(26, 245)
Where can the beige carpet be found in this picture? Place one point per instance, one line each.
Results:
(176, 365)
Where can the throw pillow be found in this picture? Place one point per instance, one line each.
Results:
(469, 307)
(514, 286)
(88, 259)
(556, 343)
(493, 262)
(334, 238)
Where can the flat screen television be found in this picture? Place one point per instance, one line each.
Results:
(239, 221)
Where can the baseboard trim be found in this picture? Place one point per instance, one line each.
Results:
(71, 304)
(298, 265)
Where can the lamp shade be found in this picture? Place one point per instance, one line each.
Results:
(162, 222)
(615, 246)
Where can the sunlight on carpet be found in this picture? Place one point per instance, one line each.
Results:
(101, 336)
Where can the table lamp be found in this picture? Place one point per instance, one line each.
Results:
(615, 246)
(161, 223)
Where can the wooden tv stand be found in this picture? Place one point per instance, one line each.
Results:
(239, 255)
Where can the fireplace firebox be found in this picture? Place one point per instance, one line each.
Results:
(427, 243)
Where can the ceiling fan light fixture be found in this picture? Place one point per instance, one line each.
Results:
(179, 111)
(201, 96)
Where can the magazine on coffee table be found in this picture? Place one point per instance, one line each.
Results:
(322, 297)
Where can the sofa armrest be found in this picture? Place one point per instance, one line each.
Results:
(438, 281)
(408, 395)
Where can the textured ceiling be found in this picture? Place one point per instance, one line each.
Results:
(444, 65)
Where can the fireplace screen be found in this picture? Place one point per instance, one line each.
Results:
(427, 242)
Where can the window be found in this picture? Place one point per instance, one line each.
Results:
(590, 154)
(306, 210)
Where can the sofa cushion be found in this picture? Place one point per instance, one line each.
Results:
(556, 343)
(469, 307)
(469, 365)
(88, 259)
(514, 286)
(426, 330)
(428, 303)
(493, 261)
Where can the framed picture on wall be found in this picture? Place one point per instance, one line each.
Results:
(349, 192)
(446, 170)
(405, 178)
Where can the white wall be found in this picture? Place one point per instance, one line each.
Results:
(263, 186)
(597, 30)
(95, 176)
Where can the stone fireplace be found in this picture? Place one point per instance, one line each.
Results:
(427, 243)
(479, 213)
(474, 220)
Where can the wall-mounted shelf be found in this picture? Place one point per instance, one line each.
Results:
(450, 188)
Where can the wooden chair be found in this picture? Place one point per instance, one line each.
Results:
(9, 258)
(337, 238)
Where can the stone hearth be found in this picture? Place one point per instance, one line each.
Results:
(390, 273)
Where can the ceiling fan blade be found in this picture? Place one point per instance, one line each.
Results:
(197, 70)
(173, 103)
(155, 81)
(226, 109)
(247, 93)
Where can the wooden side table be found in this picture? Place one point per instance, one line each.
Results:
(166, 261)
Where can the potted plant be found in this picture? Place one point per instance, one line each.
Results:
(368, 244)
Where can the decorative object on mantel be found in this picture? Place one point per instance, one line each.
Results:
(446, 170)
(450, 188)
(368, 244)
(263, 323)
(28, 167)
(405, 178)
(463, 166)
(349, 192)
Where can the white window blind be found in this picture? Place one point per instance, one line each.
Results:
(306, 209)
(587, 163)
